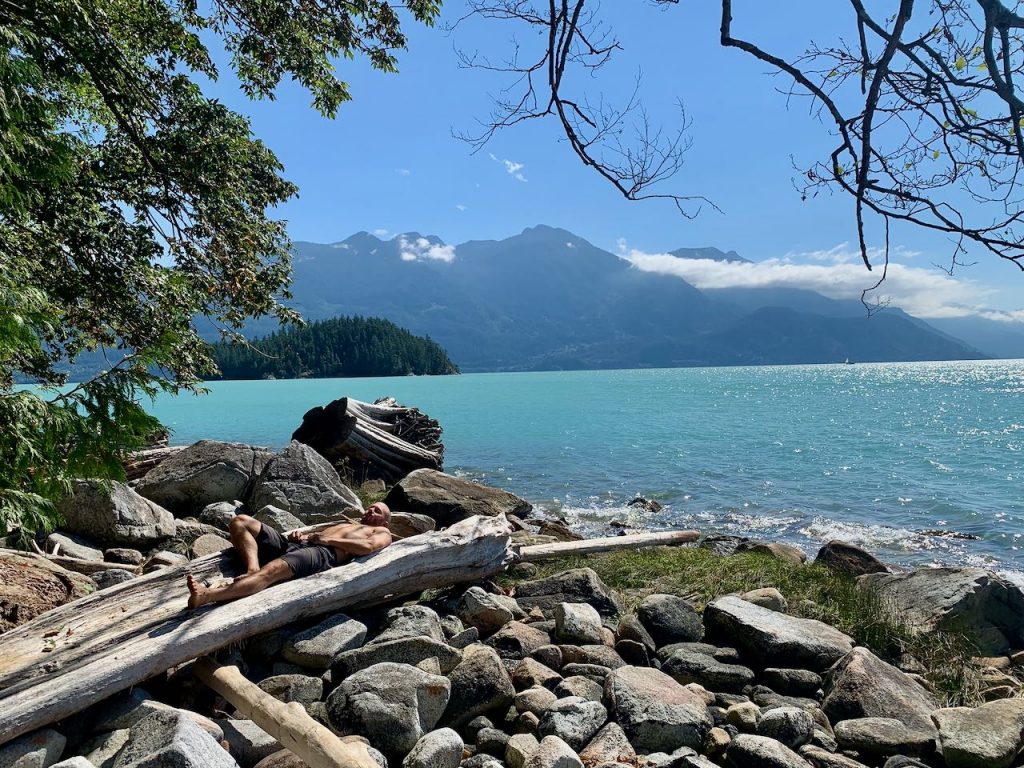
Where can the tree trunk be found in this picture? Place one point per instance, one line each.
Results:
(609, 544)
(85, 651)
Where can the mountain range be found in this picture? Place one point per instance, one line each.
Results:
(548, 299)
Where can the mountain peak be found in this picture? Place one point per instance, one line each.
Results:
(416, 237)
(710, 253)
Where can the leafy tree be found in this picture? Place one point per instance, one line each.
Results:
(131, 203)
(923, 97)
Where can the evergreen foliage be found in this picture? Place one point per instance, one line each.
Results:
(339, 348)
(131, 204)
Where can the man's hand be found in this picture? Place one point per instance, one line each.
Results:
(299, 537)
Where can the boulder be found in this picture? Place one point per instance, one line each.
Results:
(209, 544)
(114, 515)
(30, 586)
(581, 585)
(124, 555)
(599, 655)
(583, 687)
(219, 514)
(110, 577)
(769, 638)
(578, 623)
(170, 738)
(163, 559)
(632, 629)
(669, 619)
(409, 650)
(449, 499)
(656, 713)
(285, 759)
(744, 716)
(519, 748)
(516, 640)
(574, 720)
(722, 544)
(405, 524)
(280, 520)
(822, 758)
(74, 546)
(774, 549)
(746, 751)
(848, 559)
(203, 473)
(438, 749)
(767, 597)
(552, 752)
(301, 481)
(305, 689)
(409, 621)
(491, 741)
(72, 762)
(103, 748)
(957, 599)
(882, 737)
(790, 725)
(537, 700)
(690, 667)
(392, 705)
(480, 684)
(862, 685)
(989, 736)
(487, 612)
(39, 749)
(247, 742)
(530, 672)
(317, 647)
(794, 682)
(610, 745)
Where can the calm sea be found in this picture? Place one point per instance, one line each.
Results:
(883, 455)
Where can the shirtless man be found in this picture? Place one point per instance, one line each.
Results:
(269, 558)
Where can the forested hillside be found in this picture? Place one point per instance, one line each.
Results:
(340, 347)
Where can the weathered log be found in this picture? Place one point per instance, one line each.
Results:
(76, 564)
(83, 652)
(289, 723)
(140, 462)
(372, 440)
(608, 544)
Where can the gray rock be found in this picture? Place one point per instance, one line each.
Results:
(767, 597)
(595, 672)
(669, 619)
(797, 682)
(163, 559)
(437, 749)
(954, 599)
(689, 667)
(301, 481)
(171, 739)
(516, 640)
(722, 544)
(822, 758)
(392, 705)
(581, 585)
(537, 700)
(465, 638)
(549, 656)
(39, 749)
(609, 745)
(724, 655)
(110, 577)
(656, 712)
(487, 612)
(304, 689)
(862, 685)
(482, 761)
(203, 473)
(903, 761)
(848, 559)
(247, 742)
(280, 520)
(208, 544)
(883, 736)
(410, 621)
(552, 752)
(74, 546)
(519, 748)
(449, 499)
(574, 720)
(115, 515)
(219, 514)
(771, 638)
(285, 759)
(578, 623)
(529, 673)
(451, 625)
(774, 549)
(631, 628)
(73, 762)
(600, 655)
(409, 650)
(316, 648)
(633, 653)
(492, 741)
(479, 684)
(788, 725)
(991, 735)
(747, 751)
(580, 686)
(404, 524)
(103, 748)
(744, 715)
(124, 555)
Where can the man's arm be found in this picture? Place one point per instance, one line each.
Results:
(354, 547)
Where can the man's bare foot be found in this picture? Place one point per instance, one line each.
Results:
(197, 592)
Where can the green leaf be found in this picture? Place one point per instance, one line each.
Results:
(960, 63)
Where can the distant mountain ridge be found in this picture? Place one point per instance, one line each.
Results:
(548, 299)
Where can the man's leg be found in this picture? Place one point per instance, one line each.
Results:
(250, 584)
(244, 530)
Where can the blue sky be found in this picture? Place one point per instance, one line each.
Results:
(389, 163)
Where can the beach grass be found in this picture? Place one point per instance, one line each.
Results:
(812, 591)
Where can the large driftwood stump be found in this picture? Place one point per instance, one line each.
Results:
(368, 441)
(83, 652)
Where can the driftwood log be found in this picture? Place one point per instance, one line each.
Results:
(76, 564)
(83, 652)
(609, 544)
(290, 724)
(140, 462)
(367, 441)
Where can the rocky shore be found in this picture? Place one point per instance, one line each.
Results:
(541, 669)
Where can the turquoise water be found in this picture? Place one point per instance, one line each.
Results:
(874, 454)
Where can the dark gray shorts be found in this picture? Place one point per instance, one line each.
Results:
(303, 559)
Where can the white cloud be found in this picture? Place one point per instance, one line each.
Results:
(422, 249)
(460, 207)
(403, 171)
(381, 233)
(514, 169)
(839, 274)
